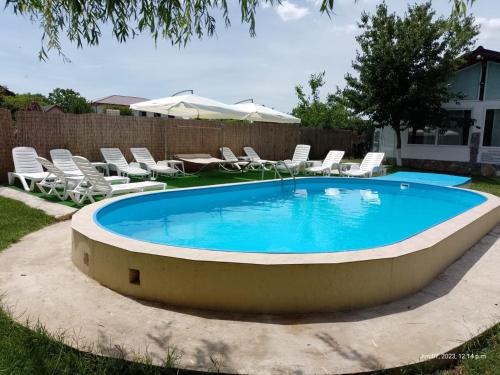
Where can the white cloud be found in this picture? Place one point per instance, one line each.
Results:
(490, 28)
(265, 5)
(345, 29)
(316, 3)
(289, 11)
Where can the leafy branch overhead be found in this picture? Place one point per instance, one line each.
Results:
(174, 20)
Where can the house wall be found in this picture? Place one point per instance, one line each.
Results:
(474, 152)
(411, 151)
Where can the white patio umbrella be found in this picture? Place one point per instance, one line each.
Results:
(257, 112)
(189, 105)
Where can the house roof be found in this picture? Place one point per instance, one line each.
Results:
(5, 91)
(481, 54)
(119, 100)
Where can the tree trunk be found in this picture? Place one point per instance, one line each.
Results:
(399, 160)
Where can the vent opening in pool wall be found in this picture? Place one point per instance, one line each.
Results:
(404, 186)
(86, 259)
(134, 276)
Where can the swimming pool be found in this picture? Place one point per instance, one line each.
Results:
(312, 215)
(319, 244)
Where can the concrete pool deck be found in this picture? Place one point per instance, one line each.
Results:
(39, 281)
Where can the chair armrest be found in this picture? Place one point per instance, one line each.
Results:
(113, 167)
(354, 166)
(141, 165)
(313, 163)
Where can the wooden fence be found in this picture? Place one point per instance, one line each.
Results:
(86, 134)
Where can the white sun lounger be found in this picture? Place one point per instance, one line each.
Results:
(231, 160)
(27, 168)
(255, 158)
(332, 159)
(58, 182)
(62, 159)
(300, 156)
(98, 186)
(370, 164)
(117, 162)
(145, 159)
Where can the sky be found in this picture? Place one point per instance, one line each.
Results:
(293, 41)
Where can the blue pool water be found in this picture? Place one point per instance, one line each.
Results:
(426, 178)
(316, 215)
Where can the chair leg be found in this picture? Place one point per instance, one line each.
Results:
(24, 183)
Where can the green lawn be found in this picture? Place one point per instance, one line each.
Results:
(17, 220)
(34, 351)
(488, 184)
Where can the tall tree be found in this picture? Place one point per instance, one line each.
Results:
(404, 65)
(332, 113)
(69, 101)
(22, 102)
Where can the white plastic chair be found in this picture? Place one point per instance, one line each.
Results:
(98, 186)
(231, 160)
(27, 168)
(368, 166)
(332, 159)
(62, 159)
(300, 156)
(146, 161)
(255, 158)
(116, 161)
(58, 182)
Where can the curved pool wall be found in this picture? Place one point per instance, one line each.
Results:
(273, 282)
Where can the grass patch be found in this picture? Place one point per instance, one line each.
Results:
(18, 219)
(481, 355)
(32, 350)
(487, 184)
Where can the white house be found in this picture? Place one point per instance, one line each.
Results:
(460, 147)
